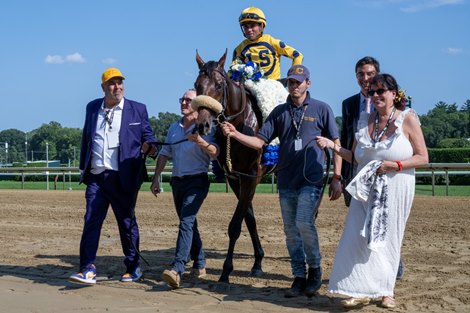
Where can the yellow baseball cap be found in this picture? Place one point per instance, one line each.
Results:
(110, 73)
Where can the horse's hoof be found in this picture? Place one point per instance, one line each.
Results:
(220, 287)
(256, 272)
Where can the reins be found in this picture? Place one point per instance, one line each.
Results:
(221, 117)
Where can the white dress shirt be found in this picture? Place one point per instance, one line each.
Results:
(105, 148)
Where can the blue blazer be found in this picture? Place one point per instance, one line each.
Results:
(135, 130)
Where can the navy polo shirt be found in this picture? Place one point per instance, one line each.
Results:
(303, 167)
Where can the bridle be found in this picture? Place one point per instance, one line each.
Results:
(221, 117)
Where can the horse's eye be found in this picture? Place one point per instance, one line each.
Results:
(218, 87)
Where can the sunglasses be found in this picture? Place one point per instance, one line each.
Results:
(251, 16)
(187, 100)
(378, 91)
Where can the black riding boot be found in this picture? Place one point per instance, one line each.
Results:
(297, 288)
(313, 281)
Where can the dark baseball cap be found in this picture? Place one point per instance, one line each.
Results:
(299, 73)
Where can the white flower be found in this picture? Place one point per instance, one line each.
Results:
(249, 71)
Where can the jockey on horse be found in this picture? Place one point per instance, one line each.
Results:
(257, 59)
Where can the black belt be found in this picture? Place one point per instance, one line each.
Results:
(200, 175)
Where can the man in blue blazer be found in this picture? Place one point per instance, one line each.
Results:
(112, 165)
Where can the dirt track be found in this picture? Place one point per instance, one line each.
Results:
(40, 233)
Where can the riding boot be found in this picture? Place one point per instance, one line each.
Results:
(313, 281)
(297, 288)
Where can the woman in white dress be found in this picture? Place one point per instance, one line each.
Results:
(389, 145)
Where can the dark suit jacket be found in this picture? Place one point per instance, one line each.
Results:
(350, 117)
(135, 130)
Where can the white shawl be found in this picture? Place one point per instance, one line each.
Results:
(372, 191)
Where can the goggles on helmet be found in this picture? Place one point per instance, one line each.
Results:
(250, 16)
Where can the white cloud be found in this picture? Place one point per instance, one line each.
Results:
(54, 59)
(75, 58)
(454, 51)
(417, 6)
(109, 61)
(71, 58)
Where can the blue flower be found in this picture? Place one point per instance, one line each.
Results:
(270, 155)
(250, 63)
(236, 75)
(245, 71)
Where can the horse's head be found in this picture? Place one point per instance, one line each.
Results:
(212, 81)
(207, 107)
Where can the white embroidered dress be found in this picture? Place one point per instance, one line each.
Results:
(357, 270)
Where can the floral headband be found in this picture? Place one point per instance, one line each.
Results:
(400, 96)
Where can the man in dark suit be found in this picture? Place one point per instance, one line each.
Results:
(366, 68)
(112, 166)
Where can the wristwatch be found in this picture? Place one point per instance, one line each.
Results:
(338, 177)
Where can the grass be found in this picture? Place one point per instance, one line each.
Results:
(424, 190)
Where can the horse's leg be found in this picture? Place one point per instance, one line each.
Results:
(245, 195)
(250, 222)
(234, 231)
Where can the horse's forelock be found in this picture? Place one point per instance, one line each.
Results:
(209, 67)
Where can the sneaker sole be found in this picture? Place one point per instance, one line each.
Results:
(81, 281)
(132, 280)
(170, 279)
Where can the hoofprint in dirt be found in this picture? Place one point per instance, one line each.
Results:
(40, 233)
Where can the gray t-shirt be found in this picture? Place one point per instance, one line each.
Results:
(188, 158)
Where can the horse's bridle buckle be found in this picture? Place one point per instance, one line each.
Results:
(220, 118)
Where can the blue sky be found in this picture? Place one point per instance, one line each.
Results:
(53, 52)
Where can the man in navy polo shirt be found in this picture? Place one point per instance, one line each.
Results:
(297, 123)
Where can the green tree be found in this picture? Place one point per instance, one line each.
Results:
(15, 140)
(446, 121)
(59, 141)
(68, 145)
(161, 124)
(454, 143)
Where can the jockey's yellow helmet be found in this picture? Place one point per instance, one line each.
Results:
(252, 14)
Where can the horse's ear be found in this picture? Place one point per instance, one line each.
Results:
(199, 60)
(222, 59)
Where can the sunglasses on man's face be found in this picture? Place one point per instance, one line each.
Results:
(187, 100)
(379, 92)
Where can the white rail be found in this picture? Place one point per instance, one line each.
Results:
(430, 169)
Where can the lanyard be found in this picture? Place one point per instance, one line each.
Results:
(377, 135)
(299, 125)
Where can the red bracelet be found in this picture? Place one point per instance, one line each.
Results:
(400, 166)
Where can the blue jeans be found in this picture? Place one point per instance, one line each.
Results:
(188, 196)
(298, 213)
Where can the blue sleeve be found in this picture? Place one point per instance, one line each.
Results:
(269, 130)
(147, 131)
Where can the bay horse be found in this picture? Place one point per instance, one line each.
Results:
(241, 164)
